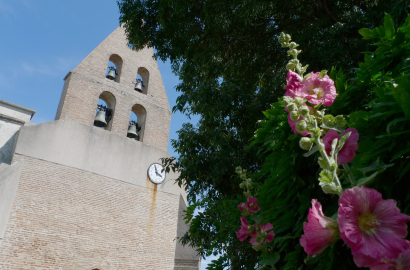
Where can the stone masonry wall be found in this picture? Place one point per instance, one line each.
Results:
(66, 218)
(87, 81)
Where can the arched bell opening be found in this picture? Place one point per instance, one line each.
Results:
(114, 68)
(105, 111)
(137, 123)
(142, 80)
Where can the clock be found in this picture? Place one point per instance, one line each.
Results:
(156, 173)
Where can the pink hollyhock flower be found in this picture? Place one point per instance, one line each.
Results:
(318, 89)
(292, 124)
(241, 207)
(293, 86)
(320, 231)
(373, 228)
(245, 230)
(348, 151)
(261, 234)
(252, 204)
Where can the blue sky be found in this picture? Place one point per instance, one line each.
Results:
(41, 41)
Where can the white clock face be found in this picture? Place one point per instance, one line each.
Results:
(156, 173)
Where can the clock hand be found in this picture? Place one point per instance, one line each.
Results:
(155, 169)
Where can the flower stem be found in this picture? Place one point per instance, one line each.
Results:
(321, 147)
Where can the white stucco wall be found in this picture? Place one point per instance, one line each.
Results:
(12, 117)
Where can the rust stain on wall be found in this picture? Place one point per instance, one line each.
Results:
(153, 187)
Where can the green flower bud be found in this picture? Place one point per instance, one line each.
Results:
(242, 185)
(299, 101)
(293, 52)
(287, 100)
(328, 120)
(301, 126)
(294, 115)
(305, 143)
(294, 63)
(292, 107)
(238, 169)
(288, 38)
(340, 122)
(304, 110)
(293, 45)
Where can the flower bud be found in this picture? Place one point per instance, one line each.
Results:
(242, 185)
(301, 126)
(299, 101)
(328, 120)
(294, 116)
(293, 45)
(238, 169)
(340, 122)
(290, 66)
(304, 110)
(286, 101)
(293, 52)
(288, 37)
(294, 63)
(305, 143)
(292, 107)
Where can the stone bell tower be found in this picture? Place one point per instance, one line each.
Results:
(81, 196)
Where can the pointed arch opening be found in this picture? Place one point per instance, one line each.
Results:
(105, 110)
(114, 68)
(137, 119)
(142, 80)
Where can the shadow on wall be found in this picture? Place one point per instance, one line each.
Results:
(6, 151)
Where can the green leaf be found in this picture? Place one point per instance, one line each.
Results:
(388, 25)
(322, 74)
(375, 166)
(366, 180)
(342, 142)
(366, 33)
(256, 218)
(271, 260)
(401, 94)
(393, 122)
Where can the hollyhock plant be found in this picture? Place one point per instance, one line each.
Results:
(320, 231)
(317, 89)
(261, 234)
(245, 230)
(348, 151)
(373, 228)
(293, 86)
(252, 204)
(292, 124)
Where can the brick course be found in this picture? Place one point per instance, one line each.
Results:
(66, 218)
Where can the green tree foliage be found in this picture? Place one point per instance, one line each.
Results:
(231, 69)
(377, 101)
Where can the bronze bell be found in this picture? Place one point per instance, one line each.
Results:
(99, 120)
(111, 74)
(138, 85)
(133, 131)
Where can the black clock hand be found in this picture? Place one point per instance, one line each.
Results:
(155, 169)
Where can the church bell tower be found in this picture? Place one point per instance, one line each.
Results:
(87, 191)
